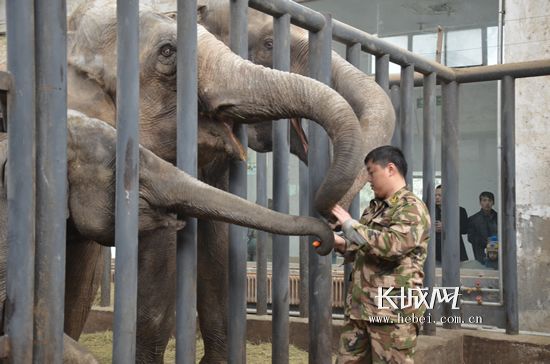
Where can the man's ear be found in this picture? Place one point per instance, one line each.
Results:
(392, 169)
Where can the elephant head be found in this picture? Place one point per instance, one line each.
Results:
(229, 89)
(368, 100)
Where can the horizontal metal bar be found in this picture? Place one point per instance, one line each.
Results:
(488, 73)
(369, 43)
(496, 72)
(475, 303)
(300, 15)
(479, 289)
(395, 79)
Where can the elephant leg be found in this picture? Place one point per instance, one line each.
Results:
(82, 278)
(156, 302)
(212, 289)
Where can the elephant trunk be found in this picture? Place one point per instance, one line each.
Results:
(235, 88)
(373, 109)
(169, 189)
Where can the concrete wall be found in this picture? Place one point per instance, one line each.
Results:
(527, 31)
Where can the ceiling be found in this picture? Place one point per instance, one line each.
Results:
(394, 17)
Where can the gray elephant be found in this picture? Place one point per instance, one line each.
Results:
(229, 89)
(369, 101)
(164, 191)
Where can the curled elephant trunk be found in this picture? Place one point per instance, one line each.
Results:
(232, 87)
(373, 109)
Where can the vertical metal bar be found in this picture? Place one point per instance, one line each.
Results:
(382, 76)
(320, 280)
(281, 155)
(353, 56)
(395, 95)
(450, 209)
(106, 278)
(187, 113)
(127, 182)
(261, 246)
(51, 179)
(406, 117)
(303, 175)
(237, 185)
(21, 178)
(428, 181)
(484, 50)
(508, 183)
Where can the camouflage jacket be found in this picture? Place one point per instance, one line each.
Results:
(388, 246)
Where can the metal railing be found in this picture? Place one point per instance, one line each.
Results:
(32, 106)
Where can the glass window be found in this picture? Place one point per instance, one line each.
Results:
(492, 45)
(425, 45)
(464, 48)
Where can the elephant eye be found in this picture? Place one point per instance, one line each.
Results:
(167, 50)
(268, 43)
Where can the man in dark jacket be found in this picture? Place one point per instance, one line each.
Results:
(483, 225)
(439, 227)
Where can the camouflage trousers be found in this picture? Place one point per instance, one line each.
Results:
(362, 342)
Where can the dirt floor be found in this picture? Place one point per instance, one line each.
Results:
(100, 344)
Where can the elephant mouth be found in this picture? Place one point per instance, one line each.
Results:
(297, 126)
(238, 150)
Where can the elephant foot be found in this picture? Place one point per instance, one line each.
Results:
(74, 353)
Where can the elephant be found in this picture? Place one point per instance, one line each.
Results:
(164, 191)
(369, 101)
(230, 90)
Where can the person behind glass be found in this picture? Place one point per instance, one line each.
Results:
(388, 247)
(483, 225)
(439, 227)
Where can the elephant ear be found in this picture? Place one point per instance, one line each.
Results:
(88, 96)
(92, 61)
(202, 10)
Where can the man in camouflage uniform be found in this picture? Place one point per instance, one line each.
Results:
(388, 246)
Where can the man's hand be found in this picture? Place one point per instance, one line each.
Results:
(341, 214)
(339, 244)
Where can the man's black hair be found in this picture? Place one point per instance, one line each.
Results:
(438, 187)
(388, 154)
(487, 194)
